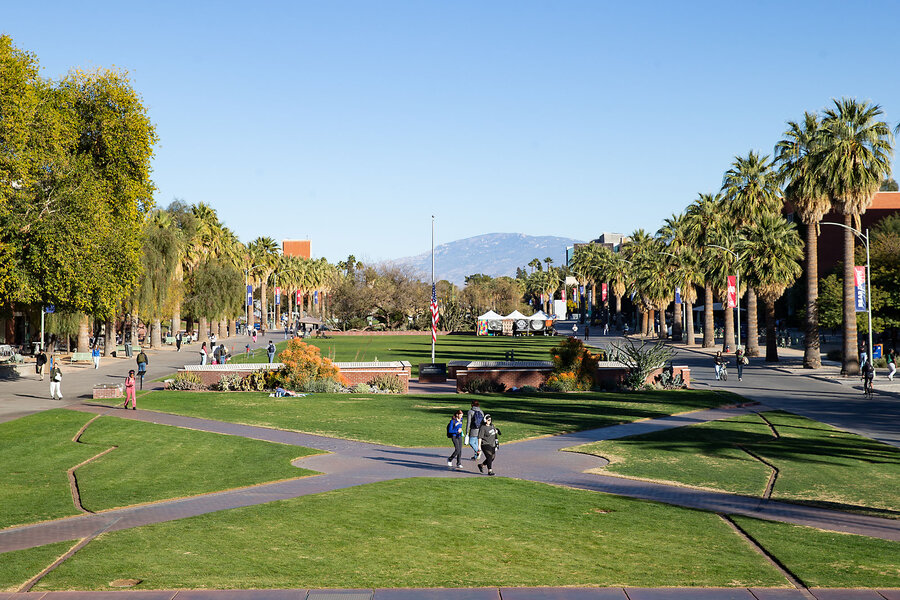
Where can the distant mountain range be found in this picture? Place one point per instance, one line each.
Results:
(493, 254)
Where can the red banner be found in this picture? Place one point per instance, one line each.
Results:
(603, 292)
(732, 291)
(564, 294)
(299, 297)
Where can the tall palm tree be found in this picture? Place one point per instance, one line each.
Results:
(775, 249)
(854, 158)
(804, 190)
(750, 188)
(264, 254)
(704, 218)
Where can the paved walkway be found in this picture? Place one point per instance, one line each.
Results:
(479, 594)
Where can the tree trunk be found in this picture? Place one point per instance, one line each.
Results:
(728, 342)
(709, 332)
(663, 330)
(771, 342)
(232, 327)
(135, 342)
(689, 326)
(752, 323)
(644, 324)
(677, 323)
(110, 336)
(156, 334)
(84, 328)
(223, 328)
(812, 355)
(203, 334)
(618, 305)
(850, 365)
(593, 300)
(263, 307)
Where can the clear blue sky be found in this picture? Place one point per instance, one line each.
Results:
(353, 122)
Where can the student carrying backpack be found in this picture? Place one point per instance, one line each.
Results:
(454, 432)
(474, 420)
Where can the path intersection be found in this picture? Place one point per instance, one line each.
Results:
(348, 463)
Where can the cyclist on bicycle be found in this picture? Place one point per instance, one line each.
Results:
(868, 374)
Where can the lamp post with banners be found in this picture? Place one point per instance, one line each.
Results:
(737, 270)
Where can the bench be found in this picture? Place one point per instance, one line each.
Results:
(170, 340)
(81, 356)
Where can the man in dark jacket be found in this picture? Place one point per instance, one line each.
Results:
(488, 435)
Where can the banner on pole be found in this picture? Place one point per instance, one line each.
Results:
(678, 295)
(316, 297)
(563, 294)
(732, 291)
(603, 292)
(859, 278)
(277, 296)
(249, 295)
(299, 297)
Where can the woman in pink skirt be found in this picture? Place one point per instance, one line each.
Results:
(129, 391)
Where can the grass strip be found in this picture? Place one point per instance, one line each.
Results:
(817, 463)
(427, 532)
(420, 420)
(828, 559)
(19, 566)
(150, 463)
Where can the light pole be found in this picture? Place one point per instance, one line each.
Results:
(737, 270)
(865, 238)
(249, 297)
(683, 311)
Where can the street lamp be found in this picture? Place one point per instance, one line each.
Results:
(738, 291)
(865, 238)
(249, 298)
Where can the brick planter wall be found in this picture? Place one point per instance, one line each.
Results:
(510, 373)
(353, 372)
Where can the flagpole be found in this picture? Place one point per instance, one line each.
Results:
(432, 280)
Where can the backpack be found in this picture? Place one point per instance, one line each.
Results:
(449, 425)
(477, 420)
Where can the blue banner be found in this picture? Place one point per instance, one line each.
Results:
(316, 297)
(859, 276)
(678, 295)
(249, 295)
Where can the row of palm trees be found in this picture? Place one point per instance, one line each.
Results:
(833, 161)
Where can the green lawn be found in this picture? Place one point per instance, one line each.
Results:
(21, 565)
(421, 533)
(817, 463)
(37, 450)
(415, 348)
(420, 420)
(828, 559)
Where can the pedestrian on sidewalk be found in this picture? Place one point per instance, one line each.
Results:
(892, 363)
(718, 361)
(587, 332)
(39, 361)
(203, 353)
(247, 350)
(178, 339)
(489, 435)
(129, 391)
(223, 354)
(474, 419)
(863, 354)
(254, 335)
(142, 362)
(270, 351)
(455, 432)
(95, 356)
(55, 382)
(606, 329)
(740, 359)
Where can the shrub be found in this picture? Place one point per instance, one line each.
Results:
(641, 359)
(483, 386)
(186, 381)
(574, 365)
(229, 381)
(361, 388)
(322, 386)
(304, 365)
(569, 382)
(528, 389)
(386, 382)
(553, 386)
(667, 380)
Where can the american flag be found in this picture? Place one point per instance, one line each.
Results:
(434, 313)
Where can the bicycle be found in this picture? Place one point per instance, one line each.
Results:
(868, 387)
(723, 373)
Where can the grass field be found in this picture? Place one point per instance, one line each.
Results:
(817, 463)
(417, 348)
(37, 450)
(422, 418)
(419, 532)
(21, 565)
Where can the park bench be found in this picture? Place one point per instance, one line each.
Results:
(80, 356)
(170, 340)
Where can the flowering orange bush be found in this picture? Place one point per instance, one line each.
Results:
(303, 364)
(574, 365)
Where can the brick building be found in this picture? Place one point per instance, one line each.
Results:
(299, 248)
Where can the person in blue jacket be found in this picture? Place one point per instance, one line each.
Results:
(455, 433)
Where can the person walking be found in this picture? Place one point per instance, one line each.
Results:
(254, 335)
(215, 355)
(740, 359)
(39, 361)
(454, 432)
(587, 332)
(270, 351)
(489, 444)
(863, 354)
(606, 329)
(718, 361)
(142, 362)
(95, 356)
(891, 363)
(223, 354)
(55, 382)
(474, 419)
(575, 330)
(178, 340)
(129, 391)
(203, 353)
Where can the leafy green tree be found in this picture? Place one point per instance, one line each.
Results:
(157, 291)
(889, 185)
(215, 287)
(853, 158)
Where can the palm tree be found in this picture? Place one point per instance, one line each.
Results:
(805, 191)
(264, 253)
(775, 249)
(704, 217)
(750, 188)
(853, 158)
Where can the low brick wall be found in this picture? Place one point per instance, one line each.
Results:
(358, 372)
(330, 333)
(684, 371)
(106, 390)
(510, 373)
